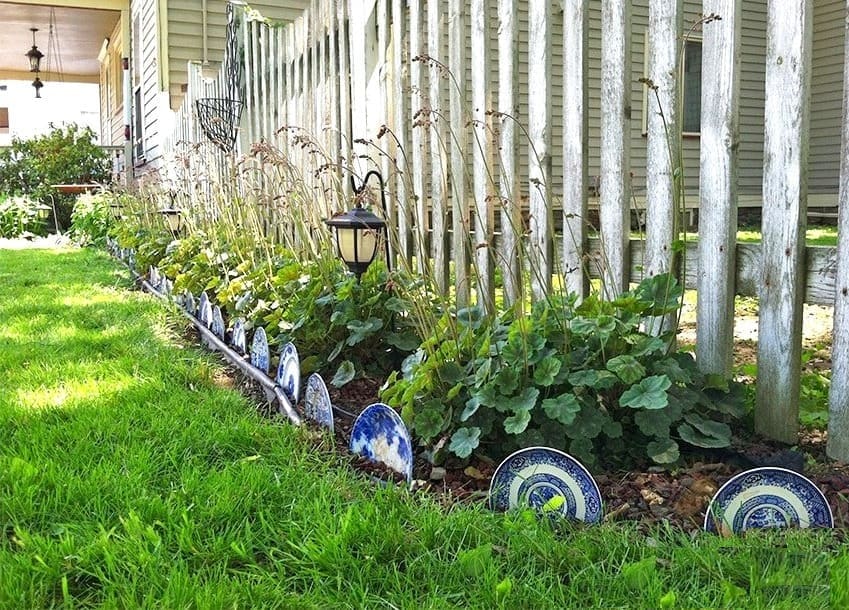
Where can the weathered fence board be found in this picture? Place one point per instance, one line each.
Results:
(718, 187)
(457, 98)
(438, 145)
(615, 144)
(838, 397)
(788, 56)
(575, 144)
(662, 147)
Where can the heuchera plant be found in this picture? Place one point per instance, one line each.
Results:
(581, 377)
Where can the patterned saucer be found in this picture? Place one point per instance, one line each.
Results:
(239, 341)
(204, 309)
(767, 497)
(217, 325)
(380, 435)
(317, 405)
(535, 475)
(289, 372)
(259, 350)
(167, 286)
(154, 278)
(189, 303)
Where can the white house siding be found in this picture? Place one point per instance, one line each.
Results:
(826, 96)
(146, 80)
(185, 34)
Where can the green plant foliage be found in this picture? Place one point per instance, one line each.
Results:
(92, 218)
(582, 377)
(66, 155)
(19, 216)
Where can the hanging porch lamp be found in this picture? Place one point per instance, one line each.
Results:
(34, 56)
(357, 234)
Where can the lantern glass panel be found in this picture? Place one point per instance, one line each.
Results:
(357, 245)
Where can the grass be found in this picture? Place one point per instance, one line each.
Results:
(130, 476)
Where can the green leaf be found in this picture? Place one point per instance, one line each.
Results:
(507, 380)
(482, 372)
(464, 441)
(429, 420)
(694, 437)
(336, 351)
(668, 600)
(627, 368)
(716, 429)
(411, 362)
(395, 304)
(653, 423)
(613, 429)
(472, 405)
(450, 372)
(562, 408)
(344, 374)
(660, 294)
(664, 451)
(503, 589)
(553, 504)
(525, 401)
(470, 317)
(650, 393)
(588, 424)
(592, 378)
(546, 371)
(638, 576)
(516, 424)
(645, 345)
(474, 562)
(583, 326)
(673, 370)
(406, 341)
(514, 353)
(362, 330)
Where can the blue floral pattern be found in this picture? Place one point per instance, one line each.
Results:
(379, 435)
(317, 406)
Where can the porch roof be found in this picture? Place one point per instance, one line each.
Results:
(80, 28)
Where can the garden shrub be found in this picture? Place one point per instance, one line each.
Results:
(580, 377)
(91, 219)
(19, 216)
(66, 155)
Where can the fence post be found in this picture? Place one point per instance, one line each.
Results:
(539, 131)
(508, 178)
(720, 137)
(401, 119)
(663, 188)
(457, 96)
(615, 145)
(786, 114)
(438, 143)
(838, 396)
(482, 153)
(419, 127)
(575, 145)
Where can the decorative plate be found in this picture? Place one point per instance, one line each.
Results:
(317, 405)
(189, 303)
(535, 475)
(217, 326)
(167, 286)
(380, 435)
(767, 497)
(259, 350)
(202, 303)
(153, 277)
(239, 341)
(289, 372)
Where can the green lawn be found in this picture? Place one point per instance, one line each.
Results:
(130, 478)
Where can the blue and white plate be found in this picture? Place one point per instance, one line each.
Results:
(767, 497)
(153, 277)
(189, 303)
(167, 286)
(239, 340)
(380, 435)
(289, 372)
(535, 475)
(259, 350)
(317, 405)
(217, 326)
(203, 305)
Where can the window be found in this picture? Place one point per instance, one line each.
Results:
(4, 120)
(138, 134)
(692, 87)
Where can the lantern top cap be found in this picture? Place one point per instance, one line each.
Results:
(357, 218)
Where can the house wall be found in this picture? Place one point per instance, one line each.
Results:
(112, 89)
(826, 96)
(185, 33)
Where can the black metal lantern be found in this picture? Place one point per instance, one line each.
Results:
(174, 218)
(37, 84)
(34, 56)
(357, 233)
(117, 210)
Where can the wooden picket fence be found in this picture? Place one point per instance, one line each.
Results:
(428, 92)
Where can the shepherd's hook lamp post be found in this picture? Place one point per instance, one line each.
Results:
(173, 216)
(357, 232)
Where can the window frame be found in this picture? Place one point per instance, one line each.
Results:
(693, 38)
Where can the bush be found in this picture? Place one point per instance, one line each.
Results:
(584, 378)
(19, 216)
(91, 219)
(66, 155)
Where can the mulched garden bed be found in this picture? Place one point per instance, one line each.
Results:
(651, 496)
